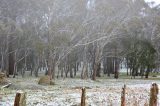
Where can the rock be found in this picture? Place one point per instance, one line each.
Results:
(2, 75)
(45, 80)
(52, 83)
(3, 79)
(154, 75)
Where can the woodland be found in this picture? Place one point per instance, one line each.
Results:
(70, 44)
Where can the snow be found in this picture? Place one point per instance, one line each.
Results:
(103, 92)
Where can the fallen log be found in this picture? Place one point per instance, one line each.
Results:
(6, 86)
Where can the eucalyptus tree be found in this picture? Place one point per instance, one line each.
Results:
(9, 33)
(64, 33)
(100, 25)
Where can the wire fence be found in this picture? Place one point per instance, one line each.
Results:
(96, 97)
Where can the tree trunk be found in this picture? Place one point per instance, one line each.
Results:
(11, 59)
(36, 68)
(71, 71)
(105, 66)
(66, 71)
(15, 64)
(96, 63)
(2, 64)
(142, 71)
(62, 70)
(116, 69)
(53, 70)
(112, 65)
(95, 71)
(147, 72)
(84, 73)
(127, 66)
(116, 65)
(31, 72)
(25, 63)
(98, 74)
(109, 66)
(75, 69)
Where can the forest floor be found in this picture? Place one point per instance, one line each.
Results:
(67, 92)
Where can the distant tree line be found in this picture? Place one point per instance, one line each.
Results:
(66, 33)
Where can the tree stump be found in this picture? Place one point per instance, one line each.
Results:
(123, 98)
(83, 97)
(20, 99)
(153, 95)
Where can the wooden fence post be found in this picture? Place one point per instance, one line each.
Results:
(153, 95)
(83, 97)
(20, 99)
(123, 96)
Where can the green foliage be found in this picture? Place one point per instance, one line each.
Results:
(39, 46)
(140, 52)
(60, 40)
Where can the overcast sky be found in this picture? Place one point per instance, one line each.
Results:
(156, 1)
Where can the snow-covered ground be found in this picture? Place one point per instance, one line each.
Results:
(103, 92)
